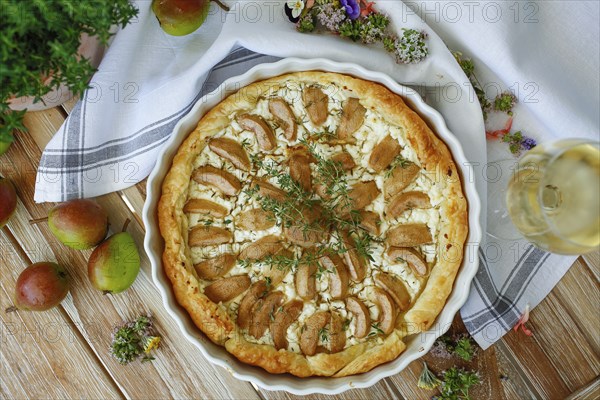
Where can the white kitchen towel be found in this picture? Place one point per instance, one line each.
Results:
(148, 80)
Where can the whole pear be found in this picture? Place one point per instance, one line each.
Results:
(4, 146)
(8, 201)
(114, 265)
(40, 287)
(80, 224)
(180, 17)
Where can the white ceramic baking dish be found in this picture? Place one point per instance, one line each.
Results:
(417, 345)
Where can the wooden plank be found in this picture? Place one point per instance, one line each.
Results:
(591, 391)
(41, 355)
(572, 355)
(558, 358)
(179, 370)
(593, 262)
(578, 294)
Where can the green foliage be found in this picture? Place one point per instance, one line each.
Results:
(427, 379)
(464, 348)
(134, 339)
(461, 346)
(456, 384)
(351, 29)
(306, 23)
(505, 102)
(40, 40)
(514, 141)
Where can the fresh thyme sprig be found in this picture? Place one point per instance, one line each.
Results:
(324, 334)
(375, 330)
(398, 161)
(298, 206)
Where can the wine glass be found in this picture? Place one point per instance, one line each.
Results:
(552, 197)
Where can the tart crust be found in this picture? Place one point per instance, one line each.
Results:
(218, 325)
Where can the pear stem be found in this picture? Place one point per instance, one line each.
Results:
(125, 225)
(223, 6)
(11, 309)
(38, 220)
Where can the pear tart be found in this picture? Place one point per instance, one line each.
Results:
(311, 222)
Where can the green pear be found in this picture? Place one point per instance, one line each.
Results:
(114, 265)
(4, 146)
(8, 201)
(80, 224)
(180, 17)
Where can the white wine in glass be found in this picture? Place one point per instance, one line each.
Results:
(553, 197)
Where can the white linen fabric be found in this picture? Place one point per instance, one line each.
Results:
(547, 53)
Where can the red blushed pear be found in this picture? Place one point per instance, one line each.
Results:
(114, 265)
(8, 201)
(80, 224)
(40, 287)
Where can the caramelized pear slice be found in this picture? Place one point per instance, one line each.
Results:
(413, 258)
(284, 116)
(228, 288)
(265, 189)
(355, 262)
(344, 160)
(353, 116)
(370, 221)
(255, 219)
(309, 338)
(337, 336)
(316, 103)
(395, 288)
(304, 236)
(400, 177)
(362, 194)
(262, 311)
(384, 153)
(202, 235)
(203, 206)
(307, 230)
(256, 124)
(387, 308)
(338, 277)
(300, 171)
(221, 180)
(362, 317)
(232, 151)
(406, 201)
(267, 245)
(215, 267)
(305, 280)
(409, 235)
(257, 291)
(282, 320)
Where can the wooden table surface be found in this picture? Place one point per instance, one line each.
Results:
(63, 352)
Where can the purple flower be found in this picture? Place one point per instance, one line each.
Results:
(352, 8)
(528, 143)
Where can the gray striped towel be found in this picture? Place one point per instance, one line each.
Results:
(113, 136)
